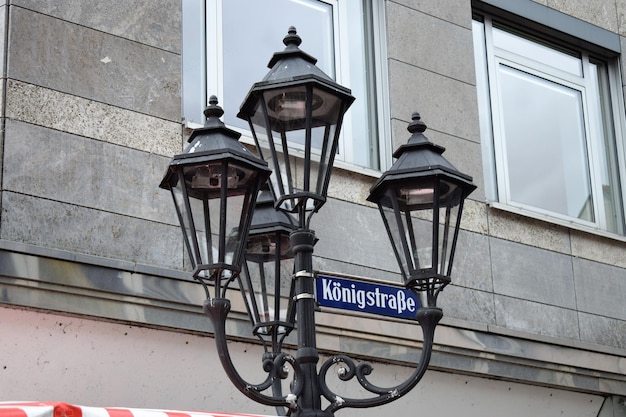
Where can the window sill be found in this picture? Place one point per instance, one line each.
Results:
(368, 172)
(553, 220)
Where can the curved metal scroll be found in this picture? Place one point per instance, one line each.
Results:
(217, 309)
(428, 319)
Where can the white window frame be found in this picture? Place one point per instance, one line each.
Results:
(214, 80)
(492, 124)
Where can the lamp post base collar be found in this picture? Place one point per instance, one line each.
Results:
(302, 240)
(216, 308)
(429, 317)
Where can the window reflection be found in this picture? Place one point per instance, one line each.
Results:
(253, 30)
(228, 43)
(605, 140)
(545, 144)
(193, 80)
(565, 61)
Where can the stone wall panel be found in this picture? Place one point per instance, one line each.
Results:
(430, 43)
(84, 172)
(53, 109)
(156, 22)
(600, 289)
(453, 11)
(447, 105)
(603, 331)
(94, 65)
(532, 274)
(536, 318)
(55, 225)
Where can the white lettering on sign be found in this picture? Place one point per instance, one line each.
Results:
(398, 301)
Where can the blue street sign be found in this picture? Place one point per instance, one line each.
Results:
(365, 297)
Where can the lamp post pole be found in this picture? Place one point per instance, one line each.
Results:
(294, 102)
(302, 241)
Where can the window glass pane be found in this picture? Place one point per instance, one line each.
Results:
(545, 144)
(484, 111)
(253, 30)
(363, 84)
(540, 53)
(194, 91)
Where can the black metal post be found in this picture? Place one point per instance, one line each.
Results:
(309, 402)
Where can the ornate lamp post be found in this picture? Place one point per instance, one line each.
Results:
(295, 116)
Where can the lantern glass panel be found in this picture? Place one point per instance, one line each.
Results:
(297, 121)
(179, 196)
(422, 228)
(287, 107)
(265, 247)
(449, 219)
(267, 284)
(205, 180)
(213, 205)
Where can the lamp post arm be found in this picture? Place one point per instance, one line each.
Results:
(217, 309)
(428, 319)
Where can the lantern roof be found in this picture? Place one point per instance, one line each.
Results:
(267, 218)
(292, 66)
(213, 142)
(420, 158)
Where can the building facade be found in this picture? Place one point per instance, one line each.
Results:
(97, 306)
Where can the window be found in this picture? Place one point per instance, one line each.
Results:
(228, 43)
(552, 137)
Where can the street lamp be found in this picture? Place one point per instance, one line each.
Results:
(214, 185)
(297, 110)
(266, 283)
(295, 116)
(420, 199)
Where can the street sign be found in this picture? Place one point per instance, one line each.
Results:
(365, 296)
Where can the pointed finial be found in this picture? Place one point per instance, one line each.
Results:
(416, 125)
(292, 37)
(213, 110)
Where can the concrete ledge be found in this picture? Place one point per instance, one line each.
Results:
(83, 285)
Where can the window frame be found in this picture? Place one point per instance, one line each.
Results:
(376, 112)
(488, 58)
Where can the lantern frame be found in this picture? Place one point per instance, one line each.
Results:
(195, 179)
(422, 187)
(295, 103)
(268, 251)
